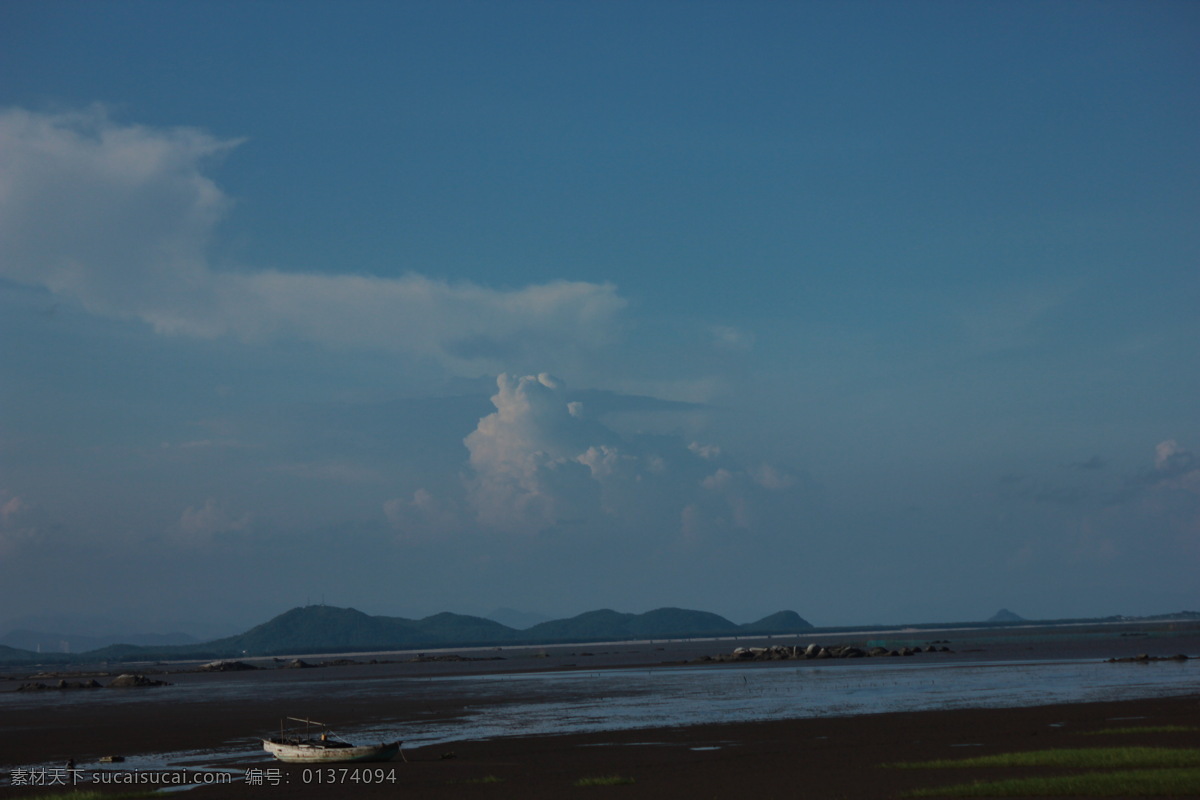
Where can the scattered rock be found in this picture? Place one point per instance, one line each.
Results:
(128, 681)
(421, 658)
(226, 666)
(816, 651)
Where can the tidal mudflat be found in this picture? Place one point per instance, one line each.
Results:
(209, 721)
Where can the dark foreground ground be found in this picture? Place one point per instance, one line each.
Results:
(836, 757)
(825, 758)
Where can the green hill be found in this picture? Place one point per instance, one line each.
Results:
(321, 628)
(461, 629)
(664, 622)
(779, 622)
(589, 626)
(15, 655)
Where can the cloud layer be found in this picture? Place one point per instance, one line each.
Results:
(118, 218)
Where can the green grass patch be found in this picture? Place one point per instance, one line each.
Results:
(1074, 758)
(1122, 783)
(1142, 729)
(604, 780)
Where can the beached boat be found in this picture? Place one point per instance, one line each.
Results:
(305, 747)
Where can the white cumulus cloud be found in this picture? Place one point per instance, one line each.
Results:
(539, 461)
(530, 456)
(200, 525)
(119, 218)
(1176, 468)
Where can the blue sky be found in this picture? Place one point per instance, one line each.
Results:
(880, 312)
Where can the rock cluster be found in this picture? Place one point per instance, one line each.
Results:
(119, 682)
(62, 684)
(816, 651)
(1145, 658)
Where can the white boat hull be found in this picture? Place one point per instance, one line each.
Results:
(328, 752)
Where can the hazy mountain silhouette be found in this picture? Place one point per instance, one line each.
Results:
(51, 642)
(328, 629)
(518, 620)
(661, 623)
(313, 629)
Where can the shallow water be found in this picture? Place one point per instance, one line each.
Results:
(577, 702)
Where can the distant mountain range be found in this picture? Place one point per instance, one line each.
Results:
(43, 642)
(328, 629)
